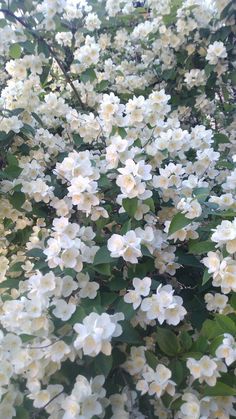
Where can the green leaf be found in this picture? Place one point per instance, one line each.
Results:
(224, 164)
(211, 329)
(198, 247)
(117, 283)
(93, 304)
(45, 73)
(188, 260)
(195, 355)
(42, 47)
(178, 221)
(38, 119)
(220, 389)
(152, 359)
(126, 227)
(221, 139)
(16, 111)
(122, 132)
(209, 68)
(22, 413)
(118, 356)
(17, 200)
(227, 325)
(130, 206)
(102, 85)
(206, 277)
(126, 309)
(171, 17)
(232, 77)
(200, 345)
(225, 214)
(103, 364)
(129, 335)
(15, 51)
(3, 23)
(146, 252)
(78, 316)
(104, 182)
(12, 172)
(233, 301)
(150, 203)
(103, 268)
(177, 370)
(167, 341)
(5, 139)
(169, 74)
(201, 193)
(103, 256)
(185, 341)
(88, 75)
(10, 283)
(107, 298)
(26, 338)
(215, 344)
(16, 267)
(12, 160)
(36, 253)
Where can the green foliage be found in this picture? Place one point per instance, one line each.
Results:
(168, 342)
(178, 221)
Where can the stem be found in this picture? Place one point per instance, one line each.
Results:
(36, 414)
(40, 38)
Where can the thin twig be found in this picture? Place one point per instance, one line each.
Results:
(35, 414)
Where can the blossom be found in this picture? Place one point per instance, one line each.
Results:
(127, 246)
(164, 306)
(225, 233)
(206, 369)
(95, 333)
(215, 51)
(63, 310)
(158, 381)
(141, 288)
(227, 350)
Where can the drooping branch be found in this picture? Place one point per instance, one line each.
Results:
(52, 52)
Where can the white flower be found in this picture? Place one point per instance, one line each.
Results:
(212, 262)
(58, 351)
(225, 233)
(216, 302)
(115, 245)
(190, 409)
(41, 398)
(205, 369)
(127, 246)
(190, 208)
(63, 310)
(95, 333)
(71, 407)
(227, 349)
(215, 51)
(68, 286)
(141, 288)
(164, 306)
(158, 381)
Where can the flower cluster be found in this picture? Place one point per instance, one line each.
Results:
(164, 306)
(69, 245)
(95, 334)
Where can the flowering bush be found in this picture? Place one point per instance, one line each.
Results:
(118, 209)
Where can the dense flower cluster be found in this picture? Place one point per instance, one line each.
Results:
(117, 209)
